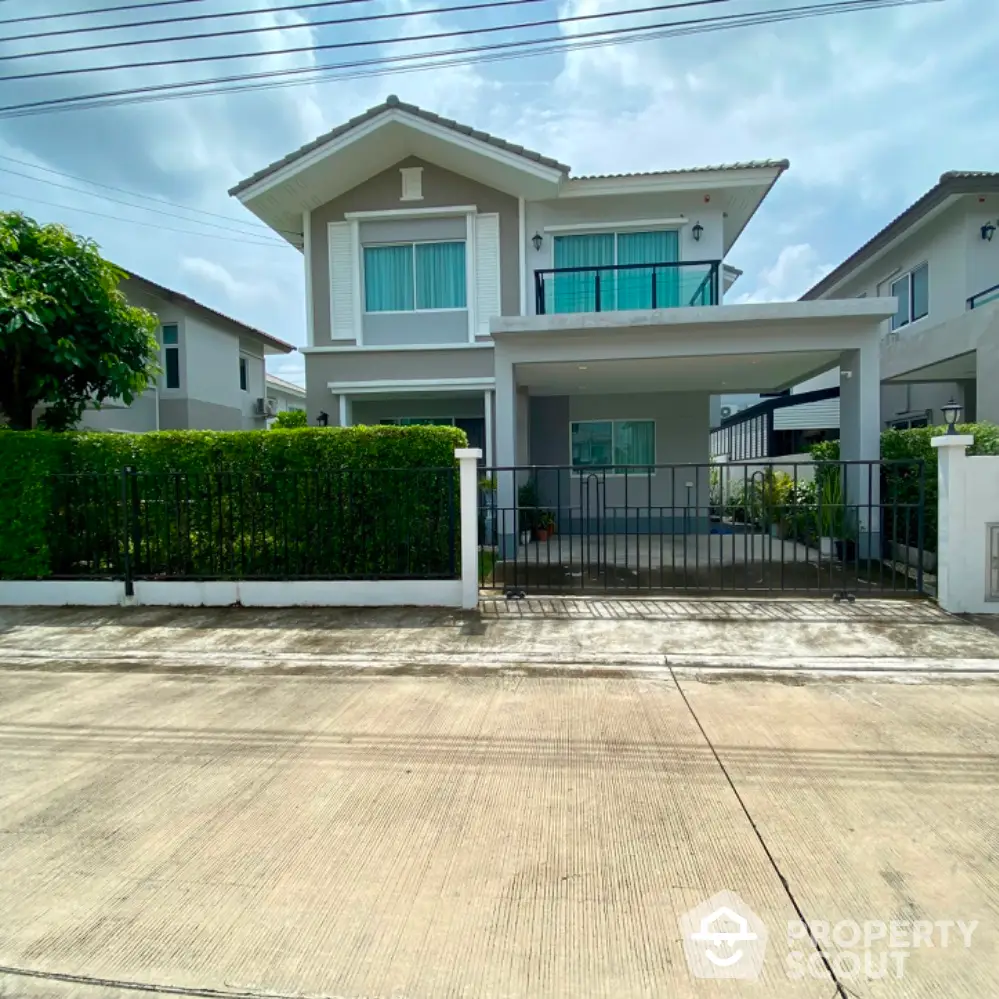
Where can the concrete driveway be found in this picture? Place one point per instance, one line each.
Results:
(241, 828)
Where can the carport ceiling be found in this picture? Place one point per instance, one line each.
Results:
(954, 369)
(730, 373)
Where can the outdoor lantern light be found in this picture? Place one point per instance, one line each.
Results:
(536, 240)
(988, 231)
(951, 414)
(323, 419)
(697, 232)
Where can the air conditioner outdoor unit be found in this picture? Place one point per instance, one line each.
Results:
(260, 407)
(272, 407)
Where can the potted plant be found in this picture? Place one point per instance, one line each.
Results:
(528, 502)
(829, 510)
(545, 526)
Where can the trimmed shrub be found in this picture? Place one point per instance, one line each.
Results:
(316, 502)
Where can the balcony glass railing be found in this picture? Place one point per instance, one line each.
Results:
(627, 286)
(984, 297)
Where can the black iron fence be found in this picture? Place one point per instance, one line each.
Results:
(627, 286)
(815, 527)
(396, 523)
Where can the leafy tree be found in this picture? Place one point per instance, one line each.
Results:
(67, 334)
(291, 418)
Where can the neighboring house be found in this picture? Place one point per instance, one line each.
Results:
(212, 375)
(562, 321)
(940, 260)
(283, 397)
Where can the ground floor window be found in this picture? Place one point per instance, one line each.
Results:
(597, 443)
(419, 421)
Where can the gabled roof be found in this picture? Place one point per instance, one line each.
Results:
(951, 184)
(746, 165)
(285, 386)
(393, 103)
(277, 346)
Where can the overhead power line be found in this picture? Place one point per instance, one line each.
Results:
(99, 10)
(151, 225)
(357, 43)
(271, 79)
(251, 224)
(129, 204)
(232, 32)
(188, 18)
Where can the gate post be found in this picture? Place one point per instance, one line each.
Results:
(468, 497)
(953, 541)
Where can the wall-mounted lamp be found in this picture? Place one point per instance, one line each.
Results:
(988, 231)
(951, 414)
(697, 232)
(537, 240)
(323, 419)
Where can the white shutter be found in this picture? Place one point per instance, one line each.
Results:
(343, 282)
(487, 271)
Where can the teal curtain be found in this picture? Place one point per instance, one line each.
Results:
(634, 286)
(440, 276)
(388, 278)
(634, 442)
(578, 292)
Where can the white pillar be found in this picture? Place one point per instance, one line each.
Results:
(468, 495)
(488, 403)
(860, 440)
(344, 411)
(506, 444)
(953, 540)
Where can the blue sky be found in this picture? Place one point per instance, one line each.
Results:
(869, 107)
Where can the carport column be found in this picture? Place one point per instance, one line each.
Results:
(506, 444)
(344, 415)
(468, 495)
(860, 440)
(952, 536)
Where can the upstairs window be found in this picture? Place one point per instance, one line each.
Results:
(171, 355)
(415, 277)
(244, 378)
(913, 293)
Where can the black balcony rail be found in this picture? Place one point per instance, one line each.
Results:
(621, 287)
(984, 297)
(819, 528)
(386, 523)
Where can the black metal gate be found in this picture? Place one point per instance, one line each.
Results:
(852, 527)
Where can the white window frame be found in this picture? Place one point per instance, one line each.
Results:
(409, 312)
(608, 471)
(164, 347)
(596, 230)
(909, 296)
(396, 421)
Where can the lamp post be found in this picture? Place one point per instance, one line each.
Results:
(951, 414)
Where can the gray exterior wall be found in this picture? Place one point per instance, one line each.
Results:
(383, 329)
(682, 436)
(378, 365)
(372, 411)
(185, 414)
(441, 189)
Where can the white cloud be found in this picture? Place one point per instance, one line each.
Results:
(796, 269)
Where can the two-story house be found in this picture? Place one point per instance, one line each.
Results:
(571, 322)
(940, 260)
(212, 369)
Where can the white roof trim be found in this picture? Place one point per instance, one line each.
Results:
(405, 213)
(616, 226)
(384, 385)
(396, 115)
(692, 180)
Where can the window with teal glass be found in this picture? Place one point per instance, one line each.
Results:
(603, 443)
(577, 291)
(635, 284)
(414, 276)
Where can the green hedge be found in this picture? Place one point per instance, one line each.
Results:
(311, 501)
(914, 445)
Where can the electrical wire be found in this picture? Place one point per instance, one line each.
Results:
(435, 60)
(99, 10)
(250, 223)
(187, 18)
(360, 19)
(355, 43)
(151, 225)
(128, 204)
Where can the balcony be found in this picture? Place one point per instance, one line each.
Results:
(624, 287)
(984, 297)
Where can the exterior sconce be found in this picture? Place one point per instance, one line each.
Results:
(951, 414)
(697, 232)
(536, 239)
(988, 231)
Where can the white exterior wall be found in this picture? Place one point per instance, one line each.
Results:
(255, 385)
(623, 208)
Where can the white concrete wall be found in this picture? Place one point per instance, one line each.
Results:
(968, 503)
(256, 382)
